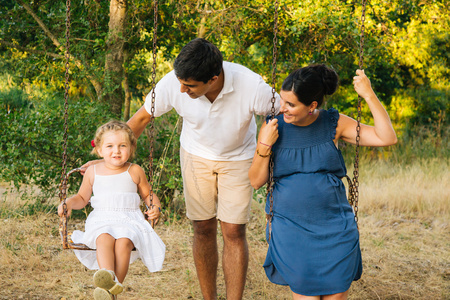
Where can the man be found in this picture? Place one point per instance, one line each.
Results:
(217, 101)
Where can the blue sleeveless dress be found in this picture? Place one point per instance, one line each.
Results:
(314, 247)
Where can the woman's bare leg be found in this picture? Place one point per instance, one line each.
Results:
(301, 297)
(339, 296)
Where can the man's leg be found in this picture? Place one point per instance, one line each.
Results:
(206, 256)
(235, 259)
(234, 200)
(200, 192)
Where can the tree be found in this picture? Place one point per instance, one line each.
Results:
(406, 55)
(115, 55)
(107, 84)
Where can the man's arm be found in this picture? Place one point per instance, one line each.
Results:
(139, 121)
(263, 100)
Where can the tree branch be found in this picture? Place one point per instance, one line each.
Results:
(25, 49)
(78, 63)
(42, 25)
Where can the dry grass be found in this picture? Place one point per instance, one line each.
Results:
(405, 240)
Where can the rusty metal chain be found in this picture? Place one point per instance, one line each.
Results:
(63, 184)
(152, 110)
(354, 190)
(274, 58)
(274, 72)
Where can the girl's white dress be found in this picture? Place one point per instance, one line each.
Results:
(116, 212)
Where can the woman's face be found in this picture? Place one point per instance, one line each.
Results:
(294, 111)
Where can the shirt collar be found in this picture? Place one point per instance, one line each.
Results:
(228, 80)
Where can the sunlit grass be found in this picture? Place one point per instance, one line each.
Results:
(404, 226)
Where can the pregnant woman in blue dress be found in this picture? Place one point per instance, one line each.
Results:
(314, 241)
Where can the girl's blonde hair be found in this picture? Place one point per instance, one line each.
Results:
(115, 126)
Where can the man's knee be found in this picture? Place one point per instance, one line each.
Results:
(206, 228)
(233, 232)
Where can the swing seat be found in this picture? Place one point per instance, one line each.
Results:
(67, 242)
(76, 246)
(66, 237)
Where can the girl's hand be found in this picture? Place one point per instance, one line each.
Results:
(61, 210)
(268, 134)
(362, 85)
(153, 214)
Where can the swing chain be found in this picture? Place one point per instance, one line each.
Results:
(63, 184)
(274, 71)
(354, 190)
(274, 58)
(152, 110)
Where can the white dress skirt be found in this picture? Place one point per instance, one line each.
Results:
(117, 213)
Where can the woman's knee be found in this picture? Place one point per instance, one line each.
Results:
(302, 297)
(339, 296)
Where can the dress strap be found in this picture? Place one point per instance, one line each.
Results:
(129, 166)
(95, 173)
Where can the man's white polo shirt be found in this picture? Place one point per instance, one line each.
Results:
(224, 130)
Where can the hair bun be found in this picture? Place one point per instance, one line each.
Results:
(311, 83)
(330, 79)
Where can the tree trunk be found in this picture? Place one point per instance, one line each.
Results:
(113, 92)
(201, 32)
(126, 87)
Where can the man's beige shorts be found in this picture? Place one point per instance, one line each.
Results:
(216, 189)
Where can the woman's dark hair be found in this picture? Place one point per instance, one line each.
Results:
(198, 60)
(312, 83)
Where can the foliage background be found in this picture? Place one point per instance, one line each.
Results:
(406, 56)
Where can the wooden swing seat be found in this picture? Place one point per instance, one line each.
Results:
(66, 237)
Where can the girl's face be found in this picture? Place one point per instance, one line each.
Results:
(295, 112)
(115, 149)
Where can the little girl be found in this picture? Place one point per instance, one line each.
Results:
(116, 226)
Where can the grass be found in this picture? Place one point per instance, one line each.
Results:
(405, 241)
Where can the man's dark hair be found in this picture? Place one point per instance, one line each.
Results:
(199, 60)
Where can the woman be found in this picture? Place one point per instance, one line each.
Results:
(314, 242)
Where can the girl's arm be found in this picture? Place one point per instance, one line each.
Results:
(81, 199)
(382, 133)
(259, 170)
(144, 189)
(155, 209)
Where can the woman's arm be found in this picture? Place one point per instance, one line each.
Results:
(259, 170)
(382, 133)
(81, 199)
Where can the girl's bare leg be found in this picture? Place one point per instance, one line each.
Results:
(122, 253)
(105, 251)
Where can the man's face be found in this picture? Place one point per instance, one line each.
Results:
(194, 88)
